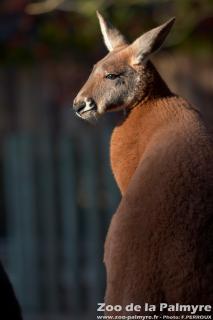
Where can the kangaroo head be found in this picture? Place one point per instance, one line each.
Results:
(122, 78)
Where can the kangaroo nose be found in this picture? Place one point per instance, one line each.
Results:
(83, 106)
(79, 106)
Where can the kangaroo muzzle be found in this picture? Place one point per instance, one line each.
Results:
(84, 106)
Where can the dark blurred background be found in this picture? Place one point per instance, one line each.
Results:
(57, 190)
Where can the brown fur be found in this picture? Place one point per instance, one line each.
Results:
(159, 246)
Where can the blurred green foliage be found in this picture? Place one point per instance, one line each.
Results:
(72, 28)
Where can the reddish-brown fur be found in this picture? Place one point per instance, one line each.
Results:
(159, 246)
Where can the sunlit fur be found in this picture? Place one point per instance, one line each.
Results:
(159, 244)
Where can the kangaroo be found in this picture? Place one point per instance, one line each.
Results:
(159, 246)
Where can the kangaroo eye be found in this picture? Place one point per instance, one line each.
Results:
(111, 76)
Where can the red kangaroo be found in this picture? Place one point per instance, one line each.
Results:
(159, 247)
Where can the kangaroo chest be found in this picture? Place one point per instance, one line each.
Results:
(124, 151)
(130, 139)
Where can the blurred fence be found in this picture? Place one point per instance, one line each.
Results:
(57, 194)
(58, 199)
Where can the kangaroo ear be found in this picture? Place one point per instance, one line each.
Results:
(150, 42)
(112, 37)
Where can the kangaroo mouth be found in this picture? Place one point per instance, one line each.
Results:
(88, 115)
(88, 110)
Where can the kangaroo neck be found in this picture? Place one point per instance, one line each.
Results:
(131, 136)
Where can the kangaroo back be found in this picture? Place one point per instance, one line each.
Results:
(159, 244)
